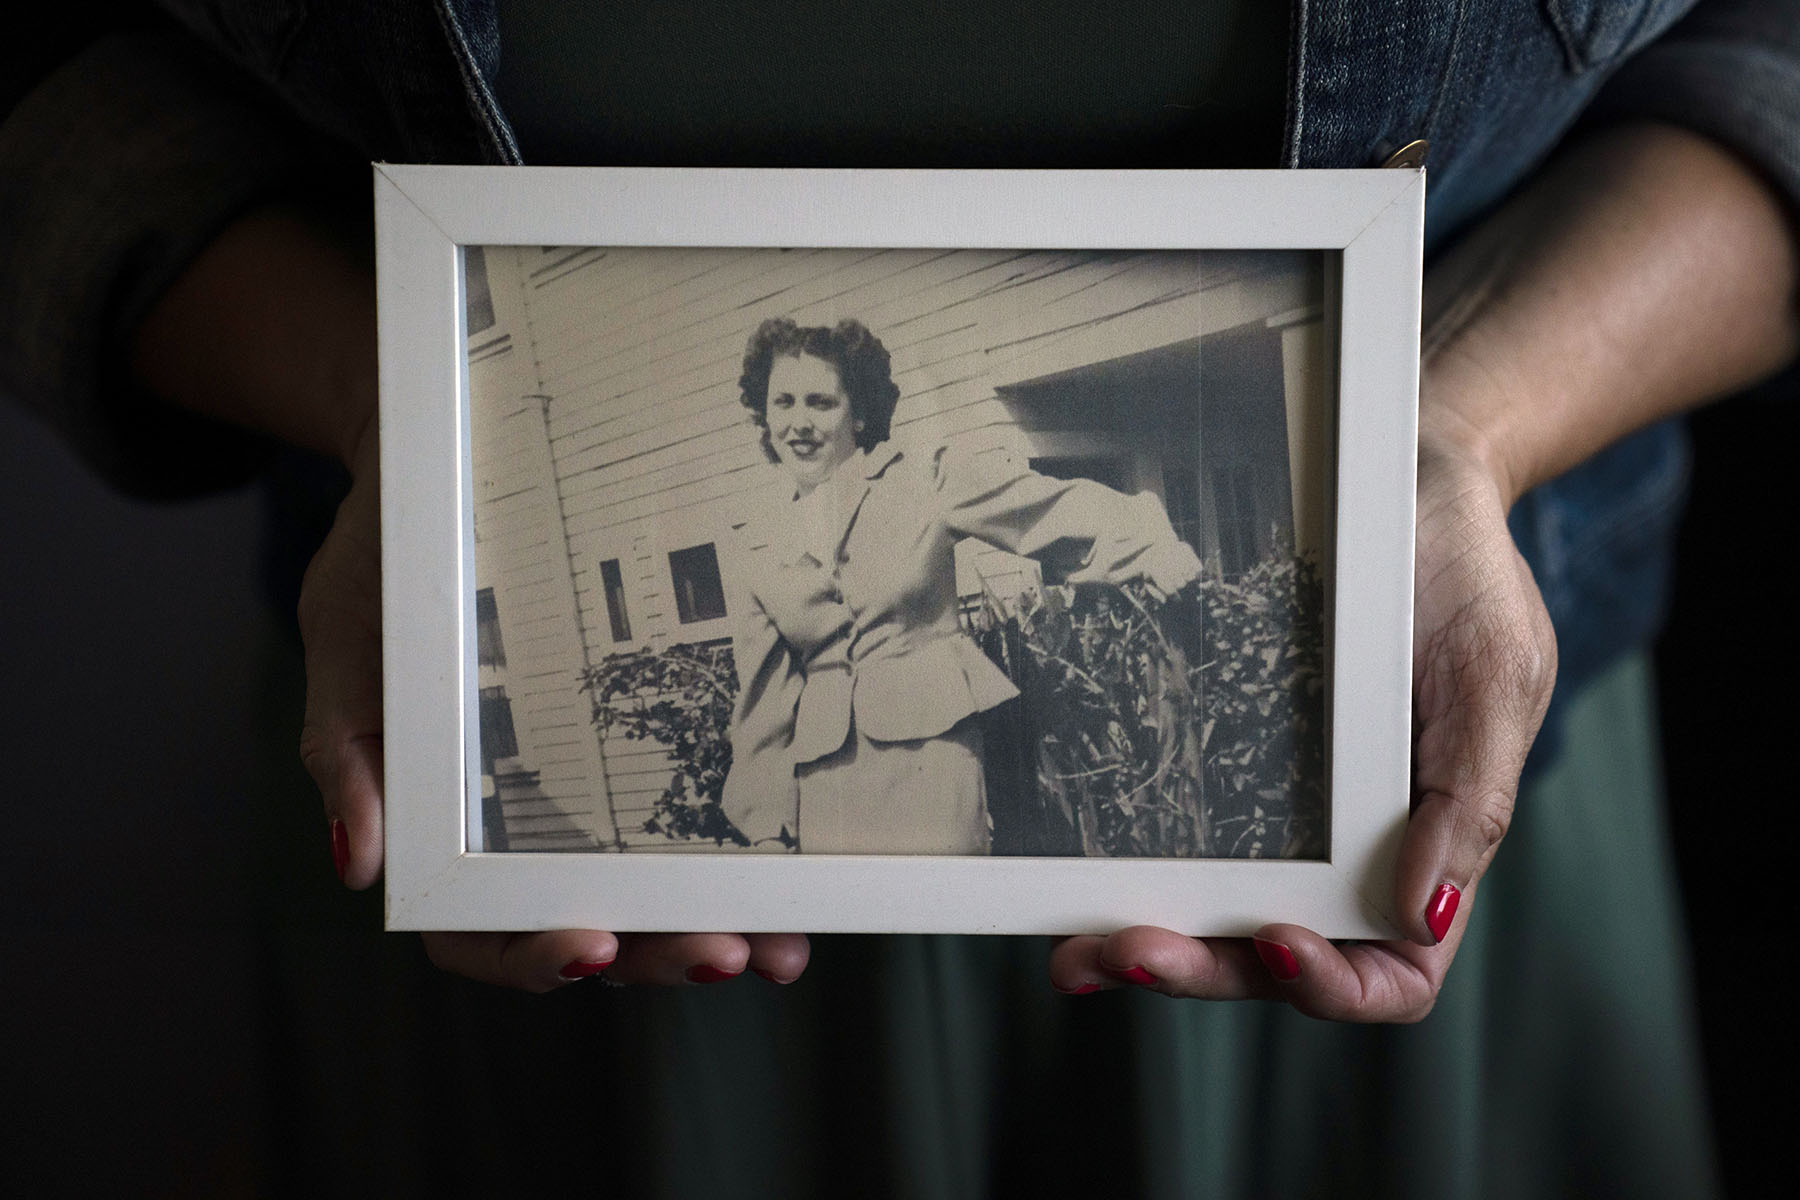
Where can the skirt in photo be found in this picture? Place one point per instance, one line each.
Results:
(916, 797)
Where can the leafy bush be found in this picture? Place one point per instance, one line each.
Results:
(1263, 676)
(1193, 728)
(681, 699)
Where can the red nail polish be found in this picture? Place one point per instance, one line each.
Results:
(705, 973)
(340, 847)
(1278, 958)
(1135, 975)
(1442, 910)
(1083, 990)
(580, 969)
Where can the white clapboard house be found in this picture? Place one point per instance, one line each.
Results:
(611, 455)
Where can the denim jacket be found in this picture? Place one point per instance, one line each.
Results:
(121, 159)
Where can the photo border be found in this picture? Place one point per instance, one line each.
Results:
(425, 214)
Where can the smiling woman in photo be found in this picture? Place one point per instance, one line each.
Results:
(855, 728)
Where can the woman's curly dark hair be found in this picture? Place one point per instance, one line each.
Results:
(862, 365)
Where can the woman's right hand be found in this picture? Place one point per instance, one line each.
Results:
(341, 745)
(272, 327)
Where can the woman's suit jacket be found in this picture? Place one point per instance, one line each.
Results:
(870, 639)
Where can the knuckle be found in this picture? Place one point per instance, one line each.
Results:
(1414, 1013)
(1378, 989)
(1198, 981)
(315, 585)
(1490, 818)
(1527, 666)
(317, 758)
(1414, 1005)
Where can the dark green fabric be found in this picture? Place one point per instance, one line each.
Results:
(1560, 1060)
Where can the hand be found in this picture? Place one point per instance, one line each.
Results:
(272, 327)
(1168, 568)
(341, 745)
(1484, 662)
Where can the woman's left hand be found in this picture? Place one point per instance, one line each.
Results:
(1645, 271)
(298, 360)
(1169, 567)
(341, 745)
(1484, 663)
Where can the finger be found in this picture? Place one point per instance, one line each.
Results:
(1355, 981)
(1162, 961)
(1073, 965)
(532, 962)
(340, 741)
(671, 959)
(779, 957)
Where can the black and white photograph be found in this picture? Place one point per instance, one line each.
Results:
(901, 551)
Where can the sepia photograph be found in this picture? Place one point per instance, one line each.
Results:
(896, 551)
(891, 551)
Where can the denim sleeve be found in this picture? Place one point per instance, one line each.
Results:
(1730, 70)
(119, 166)
(1600, 541)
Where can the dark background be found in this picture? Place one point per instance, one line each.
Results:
(1728, 669)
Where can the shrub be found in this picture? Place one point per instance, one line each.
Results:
(1191, 728)
(681, 699)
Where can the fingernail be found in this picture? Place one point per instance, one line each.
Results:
(1278, 958)
(705, 973)
(768, 975)
(1442, 910)
(1135, 975)
(1083, 990)
(583, 969)
(340, 848)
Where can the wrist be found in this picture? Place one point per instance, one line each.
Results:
(1466, 421)
(1643, 272)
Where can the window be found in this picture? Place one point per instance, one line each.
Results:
(1244, 447)
(1181, 497)
(498, 738)
(699, 593)
(489, 651)
(477, 297)
(614, 584)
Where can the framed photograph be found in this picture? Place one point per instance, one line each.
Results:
(904, 551)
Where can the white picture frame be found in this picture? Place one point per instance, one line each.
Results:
(1368, 222)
